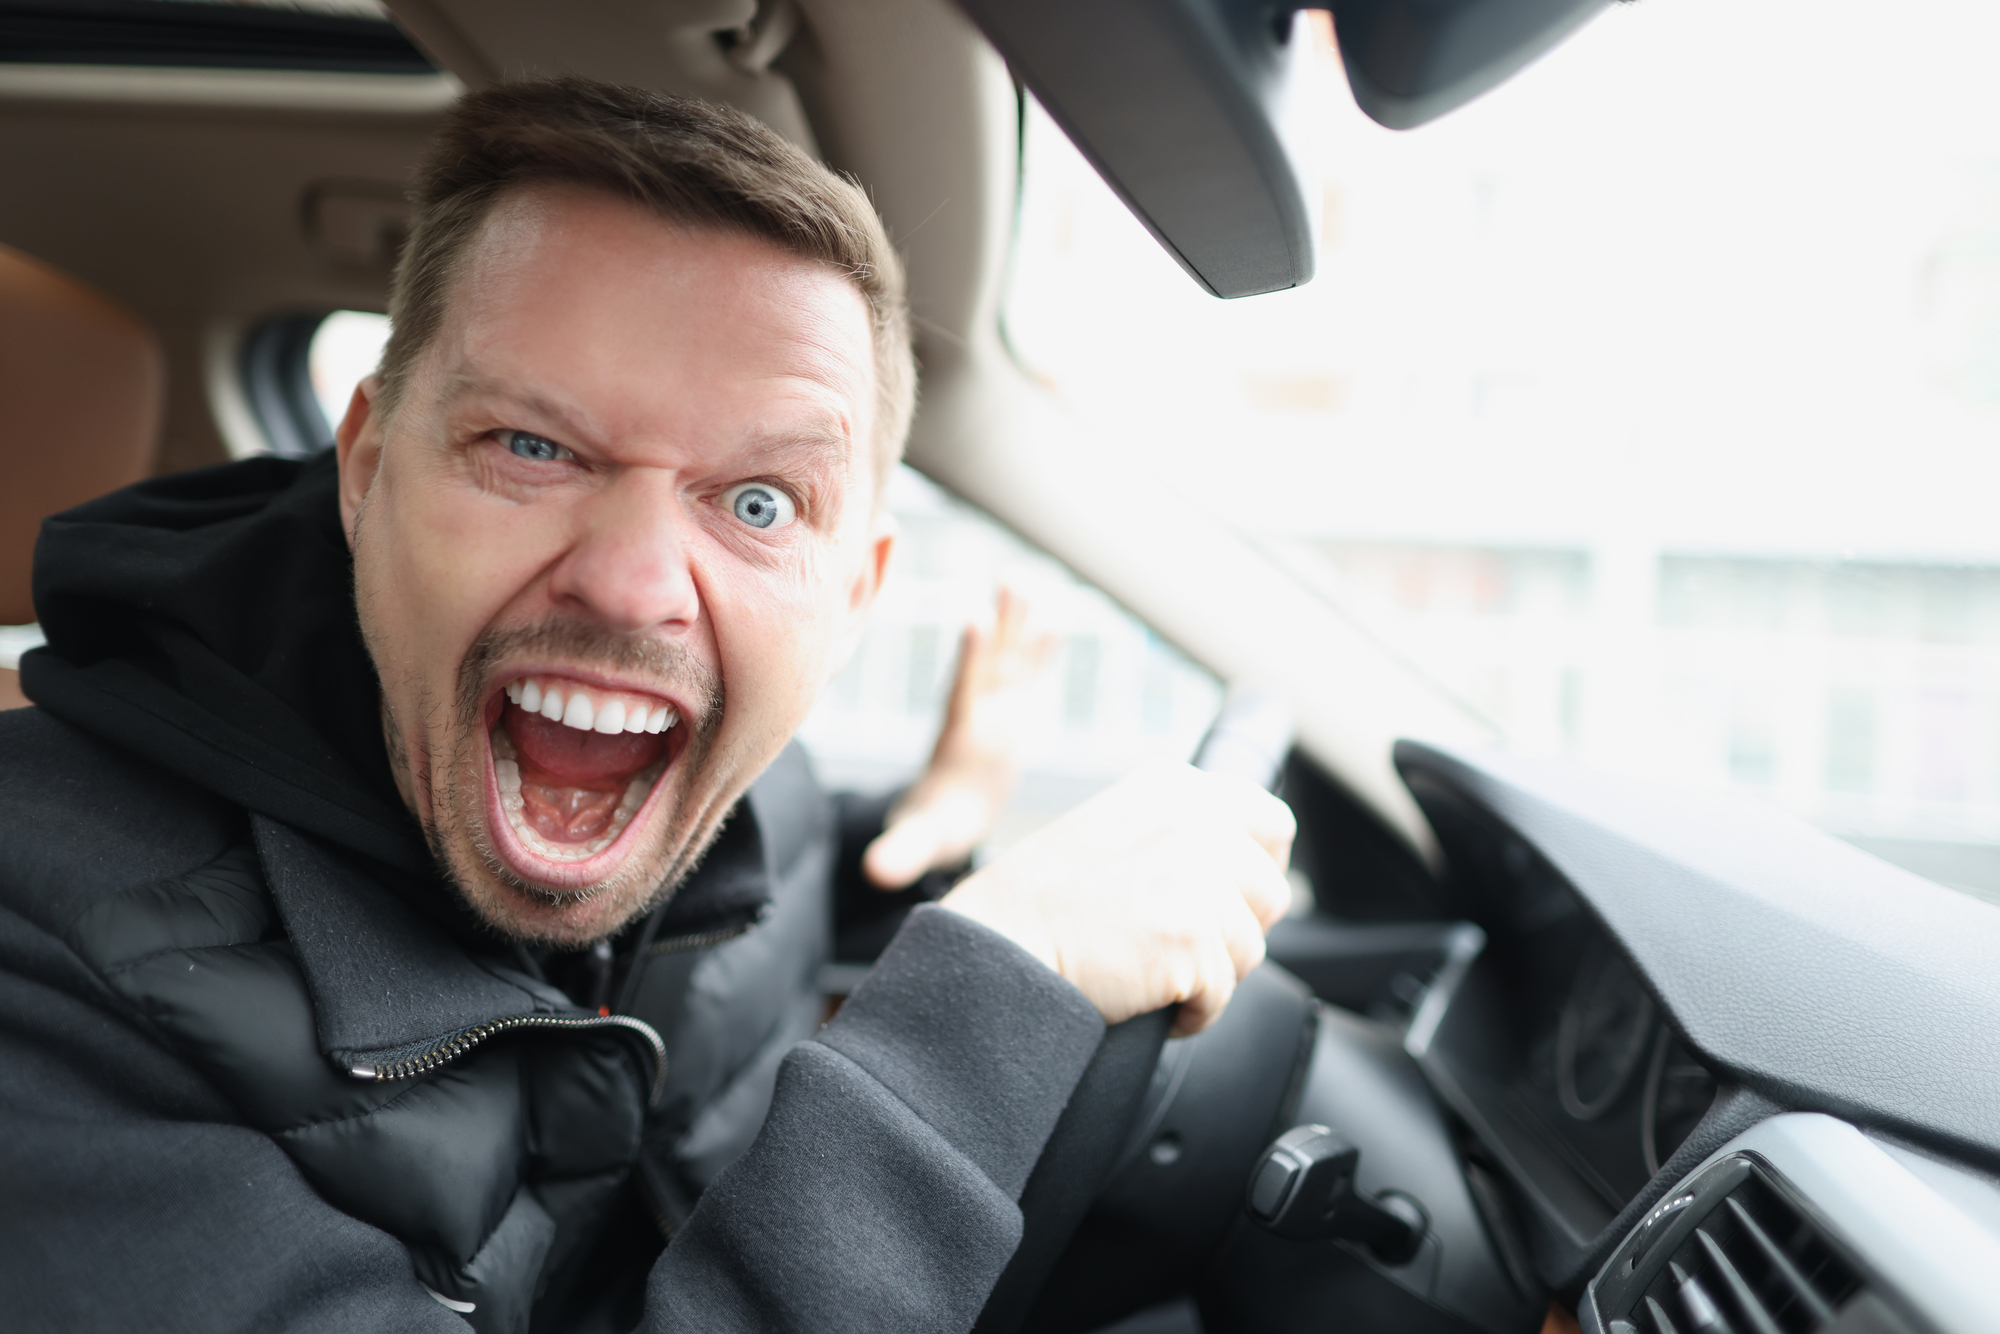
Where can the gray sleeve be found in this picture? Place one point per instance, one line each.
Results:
(882, 1193)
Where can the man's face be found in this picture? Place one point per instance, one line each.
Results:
(609, 546)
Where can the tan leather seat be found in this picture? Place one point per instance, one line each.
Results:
(81, 380)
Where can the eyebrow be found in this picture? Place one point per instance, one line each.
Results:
(823, 446)
(462, 385)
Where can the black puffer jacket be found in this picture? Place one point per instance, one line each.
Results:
(258, 1069)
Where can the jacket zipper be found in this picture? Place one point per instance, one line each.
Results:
(454, 1045)
(699, 940)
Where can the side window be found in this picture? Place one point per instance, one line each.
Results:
(345, 347)
(299, 371)
(1115, 695)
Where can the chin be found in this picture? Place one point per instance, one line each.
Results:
(563, 920)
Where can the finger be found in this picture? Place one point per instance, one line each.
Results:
(966, 679)
(1242, 935)
(1216, 983)
(902, 852)
(975, 650)
(1268, 821)
(1272, 825)
(1010, 616)
(1261, 886)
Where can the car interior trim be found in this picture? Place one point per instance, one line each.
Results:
(293, 90)
(1661, 867)
(1920, 1251)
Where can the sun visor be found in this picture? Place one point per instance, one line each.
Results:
(1178, 103)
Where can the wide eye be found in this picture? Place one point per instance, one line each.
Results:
(538, 448)
(759, 505)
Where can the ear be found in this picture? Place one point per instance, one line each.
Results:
(872, 569)
(357, 446)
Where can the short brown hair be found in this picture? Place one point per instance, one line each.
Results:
(689, 161)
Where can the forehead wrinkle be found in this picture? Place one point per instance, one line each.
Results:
(825, 448)
(832, 358)
(818, 449)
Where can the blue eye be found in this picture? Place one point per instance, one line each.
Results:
(760, 506)
(535, 447)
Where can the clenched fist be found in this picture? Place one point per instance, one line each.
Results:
(1156, 891)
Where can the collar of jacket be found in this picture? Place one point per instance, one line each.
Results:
(389, 982)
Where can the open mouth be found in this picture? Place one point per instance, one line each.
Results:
(573, 767)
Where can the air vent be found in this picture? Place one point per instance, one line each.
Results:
(1754, 1265)
(214, 36)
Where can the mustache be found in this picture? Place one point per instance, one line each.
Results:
(663, 663)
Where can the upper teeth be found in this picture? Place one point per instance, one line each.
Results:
(586, 710)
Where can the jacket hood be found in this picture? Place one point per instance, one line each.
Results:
(205, 621)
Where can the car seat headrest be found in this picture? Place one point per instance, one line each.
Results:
(83, 380)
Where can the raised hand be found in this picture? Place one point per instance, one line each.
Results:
(973, 767)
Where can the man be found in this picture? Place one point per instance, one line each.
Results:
(352, 965)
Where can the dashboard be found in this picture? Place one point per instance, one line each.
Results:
(1558, 1052)
(1548, 1044)
(1733, 1075)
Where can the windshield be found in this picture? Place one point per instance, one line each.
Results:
(1650, 405)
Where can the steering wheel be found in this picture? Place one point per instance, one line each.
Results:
(1249, 738)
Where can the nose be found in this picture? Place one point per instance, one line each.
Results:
(629, 568)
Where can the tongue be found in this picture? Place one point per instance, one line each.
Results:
(572, 781)
(580, 759)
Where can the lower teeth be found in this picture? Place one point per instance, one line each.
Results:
(507, 773)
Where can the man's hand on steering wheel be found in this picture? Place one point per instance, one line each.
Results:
(1155, 892)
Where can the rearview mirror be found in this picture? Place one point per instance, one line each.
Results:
(1410, 61)
(1175, 102)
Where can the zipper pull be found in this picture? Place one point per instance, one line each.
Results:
(600, 977)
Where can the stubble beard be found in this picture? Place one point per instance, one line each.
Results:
(706, 785)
